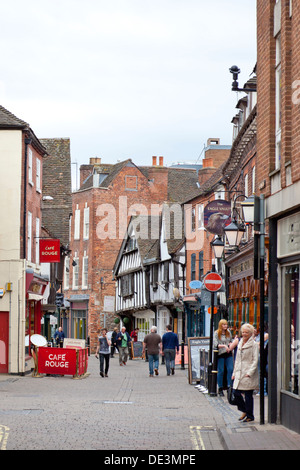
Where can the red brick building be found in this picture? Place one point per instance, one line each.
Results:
(108, 196)
(198, 249)
(21, 282)
(278, 179)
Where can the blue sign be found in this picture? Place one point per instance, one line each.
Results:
(195, 284)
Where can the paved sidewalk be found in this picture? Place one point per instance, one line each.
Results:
(127, 411)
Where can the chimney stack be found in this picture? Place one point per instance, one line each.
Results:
(95, 161)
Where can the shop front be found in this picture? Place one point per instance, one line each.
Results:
(35, 288)
(288, 253)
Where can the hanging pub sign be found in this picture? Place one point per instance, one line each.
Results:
(217, 215)
(49, 250)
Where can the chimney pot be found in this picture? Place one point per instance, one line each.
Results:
(161, 161)
(154, 161)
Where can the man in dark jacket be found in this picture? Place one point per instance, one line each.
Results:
(169, 346)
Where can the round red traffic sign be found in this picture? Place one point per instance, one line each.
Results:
(213, 282)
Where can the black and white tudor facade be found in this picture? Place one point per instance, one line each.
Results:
(150, 273)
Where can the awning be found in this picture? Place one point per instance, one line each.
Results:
(144, 314)
(35, 297)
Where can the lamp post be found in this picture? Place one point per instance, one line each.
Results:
(254, 214)
(259, 274)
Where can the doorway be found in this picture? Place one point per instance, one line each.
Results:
(4, 342)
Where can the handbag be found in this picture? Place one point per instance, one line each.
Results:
(231, 396)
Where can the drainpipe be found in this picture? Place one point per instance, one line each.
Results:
(27, 142)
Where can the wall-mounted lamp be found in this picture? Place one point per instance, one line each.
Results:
(235, 86)
(47, 198)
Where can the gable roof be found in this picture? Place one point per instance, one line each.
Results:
(149, 231)
(10, 121)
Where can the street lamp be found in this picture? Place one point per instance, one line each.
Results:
(248, 209)
(218, 247)
(234, 233)
(235, 86)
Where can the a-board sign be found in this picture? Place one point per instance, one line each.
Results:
(73, 343)
(194, 346)
(137, 349)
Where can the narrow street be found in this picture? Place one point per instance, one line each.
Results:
(126, 411)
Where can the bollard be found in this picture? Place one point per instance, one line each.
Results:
(214, 374)
(182, 355)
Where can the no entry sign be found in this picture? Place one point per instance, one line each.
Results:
(213, 282)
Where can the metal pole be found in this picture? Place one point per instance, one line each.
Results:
(210, 360)
(262, 303)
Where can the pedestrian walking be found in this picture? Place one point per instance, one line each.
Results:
(152, 342)
(222, 342)
(170, 345)
(245, 373)
(103, 348)
(123, 341)
(114, 342)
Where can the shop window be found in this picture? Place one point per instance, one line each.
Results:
(291, 329)
(193, 267)
(79, 324)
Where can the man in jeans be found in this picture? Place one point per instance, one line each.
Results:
(152, 342)
(169, 346)
(123, 340)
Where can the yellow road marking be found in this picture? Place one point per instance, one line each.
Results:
(4, 433)
(197, 438)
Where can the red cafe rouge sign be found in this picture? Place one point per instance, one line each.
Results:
(57, 361)
(49, 251)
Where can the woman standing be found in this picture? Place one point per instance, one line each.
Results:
(222, 341)
(245, 374)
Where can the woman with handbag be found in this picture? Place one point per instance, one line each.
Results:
(222, 342)
(245, 373)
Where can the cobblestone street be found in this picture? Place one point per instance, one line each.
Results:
(126, 411)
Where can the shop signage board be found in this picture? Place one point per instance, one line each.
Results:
(213, 282)
(62, 361)
(194, 347)
(58, 361)
(49, 250)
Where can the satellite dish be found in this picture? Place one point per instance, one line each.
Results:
(27, 340)
(38, 340)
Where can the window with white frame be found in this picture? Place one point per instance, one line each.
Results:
(86, 223)
(278, 103)
(29, 235)
(85, 268)
(200, 216)
(246, 179)
(77, 224)
(253, 180)
(193, 221)
(75, 271)
(38, 175)
(37, 240)
(30, 166)
(67, 273)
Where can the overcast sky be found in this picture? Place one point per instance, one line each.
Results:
(126, 78)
